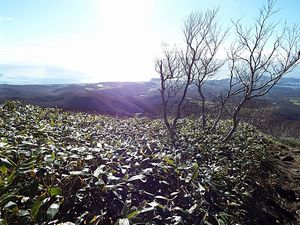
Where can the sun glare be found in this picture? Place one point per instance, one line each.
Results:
(126, 40)
(120, 47)
(120, 44)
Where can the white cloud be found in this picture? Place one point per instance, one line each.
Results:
(4, 19)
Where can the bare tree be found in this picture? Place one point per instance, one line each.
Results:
(260, 57)
(194, 63)
(224, 97)
(204, 37)
(173, 89)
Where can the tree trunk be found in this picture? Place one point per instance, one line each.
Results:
(217, 119)
(202, 106)
(235, 120)
(203, 112)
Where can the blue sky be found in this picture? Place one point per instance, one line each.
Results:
(108, 39)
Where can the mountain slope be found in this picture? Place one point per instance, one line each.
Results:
(60, 167)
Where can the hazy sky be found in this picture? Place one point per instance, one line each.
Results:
(108, 39)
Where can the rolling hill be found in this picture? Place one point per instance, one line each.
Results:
(129, 98)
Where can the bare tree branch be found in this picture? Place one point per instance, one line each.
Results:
(260, 58)
(193, 64)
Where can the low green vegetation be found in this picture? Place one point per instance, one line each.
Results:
(290, 141)
(58, 167)
(295, 101)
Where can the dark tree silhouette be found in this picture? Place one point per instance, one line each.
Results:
(260, 57)
(197, 61)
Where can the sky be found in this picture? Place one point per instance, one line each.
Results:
(109, 40)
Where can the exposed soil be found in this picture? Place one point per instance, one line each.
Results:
(289, 164)
(279, 187)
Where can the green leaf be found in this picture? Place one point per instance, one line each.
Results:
(207, 223)
(195, 173)
(11, 177)
(67, 223)
(53, 155)
(133, 214)
(224, 216)
(3, 168)
(148, 209)
(10, 205)
(124, 221)
(126, 207)
(2, 222)
(53, 210)
(23, 213)
(169, 161)
(7, 162)
(27, 164)
(6, 198)
(36, 206)
(178, 220)
(193, 208)
(221, 222)
(53, 191)
(141, 177)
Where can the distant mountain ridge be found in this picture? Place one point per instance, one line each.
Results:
(128, 98)
(111, 98)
